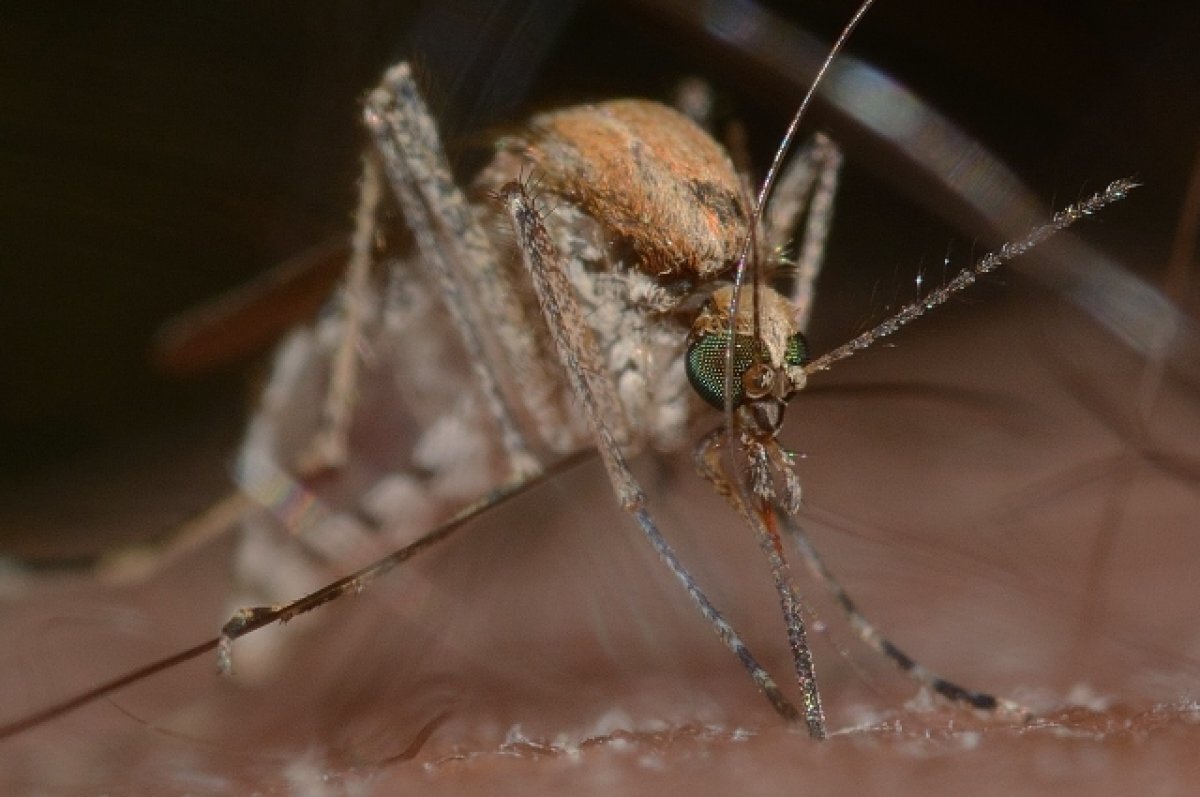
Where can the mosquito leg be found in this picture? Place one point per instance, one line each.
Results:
(136, 563)
(329, 445)
(874, 638)
(816, 231)
(806, 187)
(577, 350)
(456, 457)
(480, 296)
(397, 149)
(709, 456)
(252, 619)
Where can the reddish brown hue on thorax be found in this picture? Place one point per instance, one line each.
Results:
(652, 176)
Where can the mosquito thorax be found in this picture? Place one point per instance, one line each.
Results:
(651, 176)
(768, 362)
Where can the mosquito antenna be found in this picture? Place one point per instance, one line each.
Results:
(1116, 191)
(751, 242)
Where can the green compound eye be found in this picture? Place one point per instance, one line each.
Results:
(705, 364)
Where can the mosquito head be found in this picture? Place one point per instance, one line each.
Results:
(768, 356)
(768, 379)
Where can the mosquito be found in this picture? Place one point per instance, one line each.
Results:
(620, 240)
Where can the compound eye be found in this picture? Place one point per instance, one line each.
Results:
(797, 351)
(706, 357)
(705, 366)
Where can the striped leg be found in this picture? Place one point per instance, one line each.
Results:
(874, 638)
